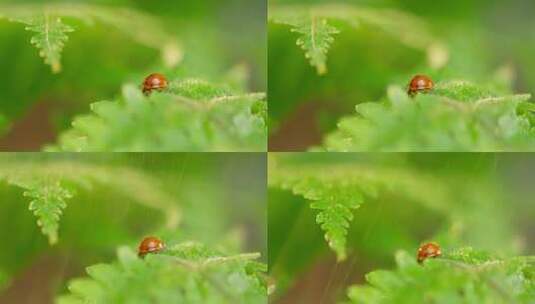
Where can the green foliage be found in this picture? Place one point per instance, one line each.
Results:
(454, 199)
(174, 122)
(335, 191)
(48, 201)
(192, 115)
(317, 35)
(456, 116)
(51, 32)
(363, 62)
(334, 204)
(185, 273)
(118, 198)
(461, 275)
(50, 186)
(50, 37)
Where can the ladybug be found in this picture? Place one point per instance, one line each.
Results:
(150, 244)
(420, 84)
(153, 82)
(428, 250)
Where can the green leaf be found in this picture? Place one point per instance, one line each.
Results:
(48, 198)
(316, 40)
(185, 273)
(52, 32)
(50, 38)
(335, 207)
(335, 191)
(317, 35)
(463, 275)
(51, 185)
(192, 115)
(335, 203)
(456, 116)
(48, 201)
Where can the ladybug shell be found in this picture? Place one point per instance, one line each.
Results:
(154, 81)
(420, 83)
(428, 250)
(150, 244)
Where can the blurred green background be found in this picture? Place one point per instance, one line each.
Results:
(483, 36)
(220, 199)
(490, 208)
(216, 36)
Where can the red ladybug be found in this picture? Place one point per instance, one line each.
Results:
(150, 244)
(420, 84)
(153, 82)
(428, 250)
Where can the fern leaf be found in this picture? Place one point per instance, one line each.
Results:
(52, 32)
(334, 216)
(336, 191)
(463, 275)
(48, 198)
(457, 116)
(316, 39)
(335, 204)
(185, 273)
(50, 37)
(317, 35)
(44, 184)
(193, 115)
(48, 201)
